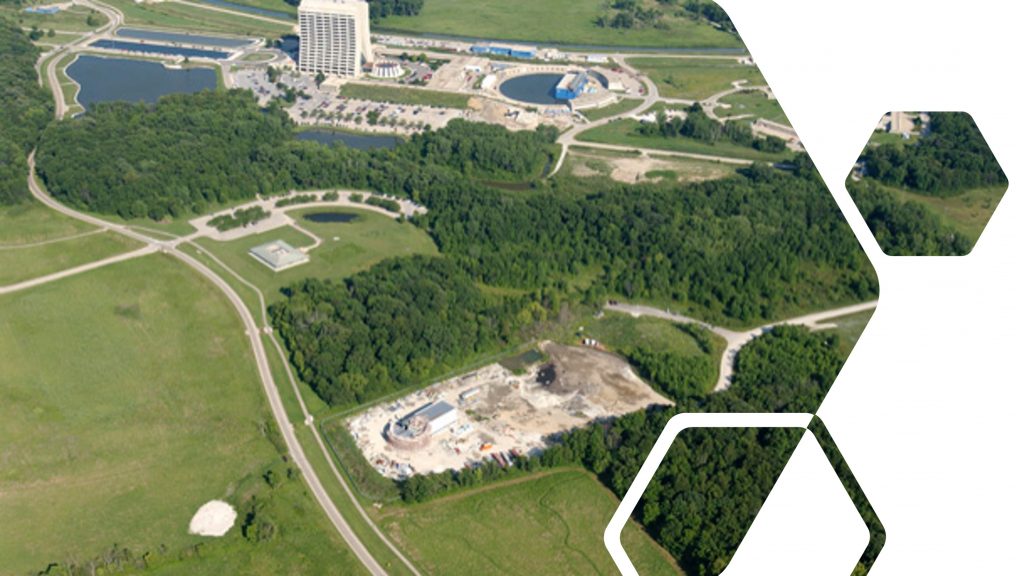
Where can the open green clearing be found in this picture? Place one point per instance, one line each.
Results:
(622, 106)
(120, 439)
(967, 212)
(31, 222)
(553, 21)
(191, 18)
(549, 523)
(70, 20)
(625, 166)
(404, 95)
(624, 133)
(695, 78)
(620, 331)
(348, 247)
(754, 103)
(849, 329)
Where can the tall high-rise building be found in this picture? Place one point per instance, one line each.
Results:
(334, 36)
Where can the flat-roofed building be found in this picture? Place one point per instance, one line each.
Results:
(279, 255)
(334, 36)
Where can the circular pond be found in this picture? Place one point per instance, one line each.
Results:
(532, 88)
(330, 217)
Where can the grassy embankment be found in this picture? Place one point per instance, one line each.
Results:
(129, 400)
(405, 96)
(622, 106)
(554, 21)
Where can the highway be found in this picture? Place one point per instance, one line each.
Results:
(736, 340)
(253, 332)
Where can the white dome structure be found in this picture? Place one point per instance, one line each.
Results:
(386, 69)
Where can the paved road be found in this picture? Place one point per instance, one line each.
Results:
(253, 331)
(736, 340)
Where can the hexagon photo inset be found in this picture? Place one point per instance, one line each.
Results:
(927, 183)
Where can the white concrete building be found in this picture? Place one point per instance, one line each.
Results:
(334, 36)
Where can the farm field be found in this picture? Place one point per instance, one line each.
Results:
(547, 523)
(695, 78)
(190, 18)
(552, 21)
(348, 247)
(624, 133)
(407, 96)
(754, 103)
(119, 439)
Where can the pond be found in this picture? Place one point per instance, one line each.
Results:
(182, 38)
(330, 217)
(110, 79)
(162, 49)
(532, 88)
(360, 141)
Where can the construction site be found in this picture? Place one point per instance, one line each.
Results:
(499, 412)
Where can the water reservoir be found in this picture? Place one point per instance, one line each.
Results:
(110, 79)
(159, 49)
(532, 88)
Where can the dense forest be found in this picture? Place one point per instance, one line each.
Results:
(25, 111)
(742, 249)
(950, 157)
(391, 326)
(713, 481)
(906, 228)
(699, 126)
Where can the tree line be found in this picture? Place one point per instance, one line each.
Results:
(699, 126)
(26, 110)
(906, 228)
(949, 158)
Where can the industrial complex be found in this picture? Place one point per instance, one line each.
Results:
(499, 412)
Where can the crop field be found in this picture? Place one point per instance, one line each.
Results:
(348, 247)
(406, 96)
(547, 523)
(753, 103)
(119, 439)
(191, 18)
(695, 78)
(624, 133)
(553, 21)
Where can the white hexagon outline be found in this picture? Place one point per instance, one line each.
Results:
(678, 423)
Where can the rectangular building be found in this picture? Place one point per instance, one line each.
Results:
(334, 36)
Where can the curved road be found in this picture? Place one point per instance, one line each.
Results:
(736, 340)
(253, 331)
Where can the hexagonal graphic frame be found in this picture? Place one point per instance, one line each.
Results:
(681, 422)
(927, 183)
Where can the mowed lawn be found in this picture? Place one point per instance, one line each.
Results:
(554, 21)
(195, 19)
(695, 78)
(625, 133)
(348, 247)
(548, 523)
(128, 398)
(36, 241)
(752, 103)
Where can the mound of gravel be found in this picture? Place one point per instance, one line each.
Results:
(214, 518)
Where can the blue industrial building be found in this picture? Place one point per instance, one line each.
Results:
(571, 85)
(502, 50)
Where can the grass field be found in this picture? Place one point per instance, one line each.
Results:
(348, 248)
(618, 331)
(553, 21)
(624, 133)
(70, 20)
(31, 222)
(627, 167)
(27, 262)
(119, 439)
(753, 102)
(548, 523)
(967, 212)
(407, 96)
(620, 107)
(849, 329)
(190, 18)
(695, 78)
